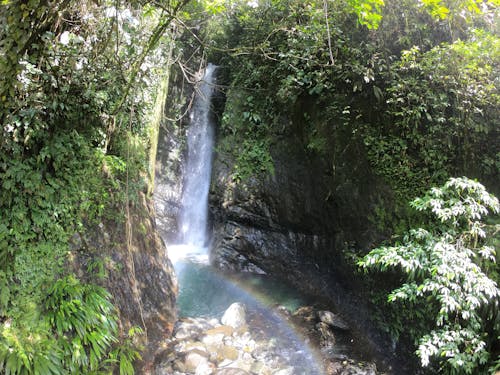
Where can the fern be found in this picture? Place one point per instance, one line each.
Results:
(84, 318)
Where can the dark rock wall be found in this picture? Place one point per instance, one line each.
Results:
(300, 215)
(170, 159)
(139, 276)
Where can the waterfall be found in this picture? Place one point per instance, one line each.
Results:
(200, 141)
(204, 292)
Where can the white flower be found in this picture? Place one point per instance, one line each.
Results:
(64, 38)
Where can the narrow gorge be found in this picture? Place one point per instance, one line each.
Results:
(238, 255)
(249, 187)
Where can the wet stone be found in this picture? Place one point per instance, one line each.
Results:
(235, 316)
(205, 347)
(231, 371)
(213, 339)
(226, 330)
(195, 358)
(285, 371)
(228, 352)
(205, 369)
(333, 320)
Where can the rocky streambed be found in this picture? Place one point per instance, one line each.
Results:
(239, 343)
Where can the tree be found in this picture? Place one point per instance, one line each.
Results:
(448, 270)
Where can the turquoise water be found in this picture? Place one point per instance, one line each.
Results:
(204, 292)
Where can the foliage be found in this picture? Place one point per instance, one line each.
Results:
(78, 84)
(252, 155)
(76, 333)
(421, 109)
(442, 113)
(447, 270)
(83, 319)
(281, 56)
(443, 9)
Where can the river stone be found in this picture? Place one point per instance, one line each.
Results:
(191, 345)
(244, 364)
(261, 368)
(231, 371)
(333, 320)
(213, 339)
(225, 363)
(205, 369)
(234, 316)
(228, 352)
(179, 366)
(306, 313)
(285, 371)
(327, 337)
(353, 368)
(226, 330)
(195, 358)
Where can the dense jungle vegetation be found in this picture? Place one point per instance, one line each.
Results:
(78, 88)
(413, 85)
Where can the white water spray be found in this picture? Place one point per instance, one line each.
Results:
(200, 141)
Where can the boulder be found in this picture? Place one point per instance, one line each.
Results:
(195, 358)
(327, 338)
(333, 320)
(228, 352)
(205, 369)
(214, 339)
(285, 371)
(226, 330)
(243, 364)
(234, 316)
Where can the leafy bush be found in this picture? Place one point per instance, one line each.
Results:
(448, 273)
(441, 116)
(84, 321)
(76, 333)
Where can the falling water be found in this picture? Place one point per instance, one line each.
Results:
(200, 141)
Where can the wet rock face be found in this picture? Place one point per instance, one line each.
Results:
(140, 277)
(299, 215)
(168, 178)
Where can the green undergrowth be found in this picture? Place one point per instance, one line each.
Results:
(77, 90)
(51, 323)
(444, 277)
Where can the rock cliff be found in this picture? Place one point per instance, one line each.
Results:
(133, 266)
